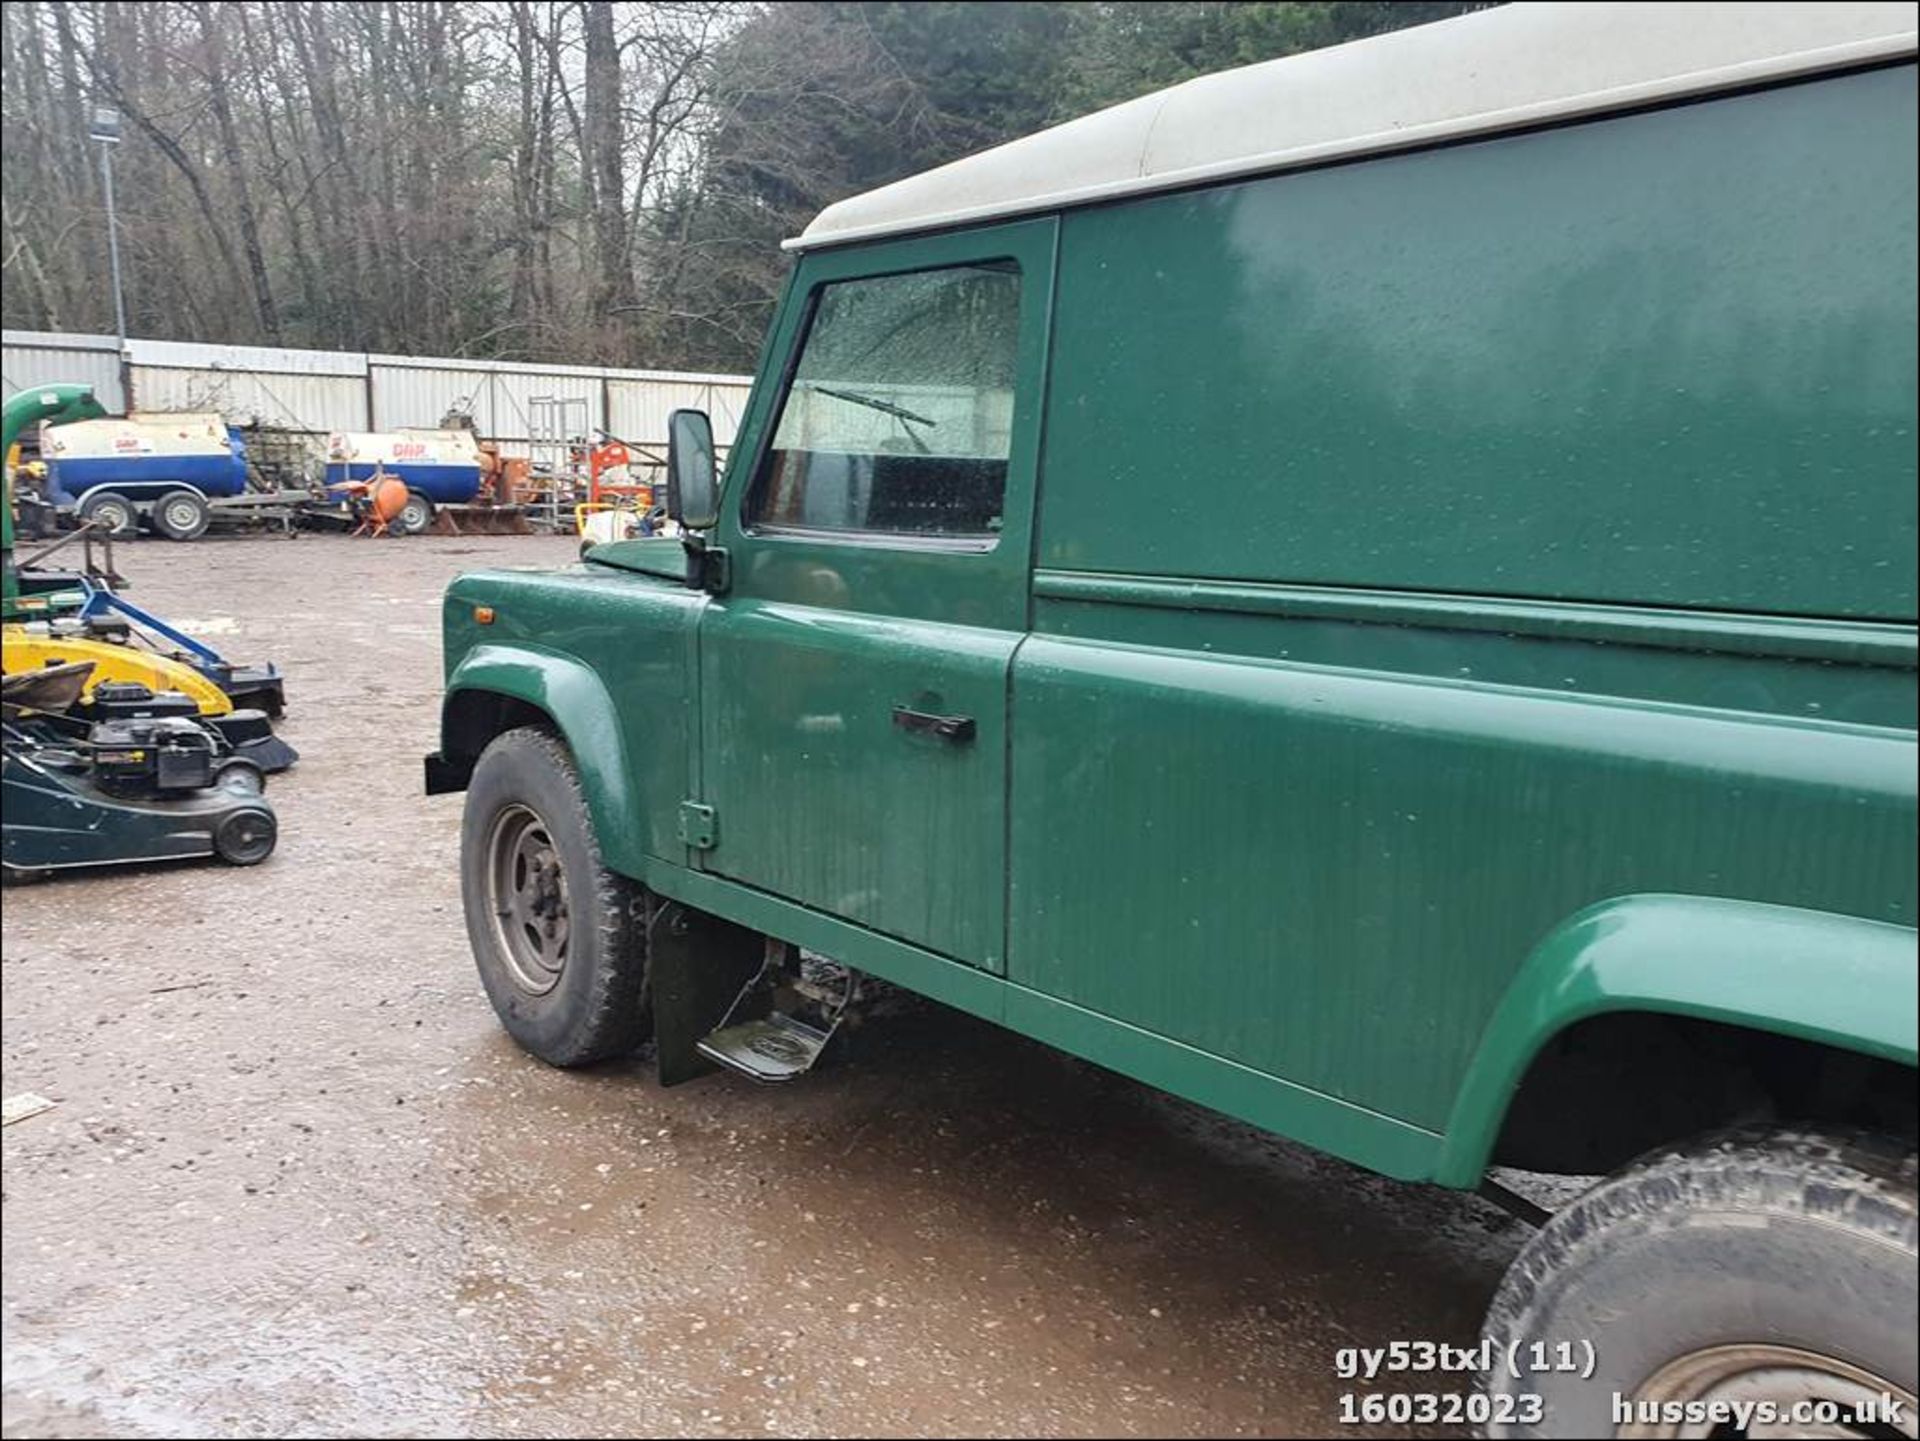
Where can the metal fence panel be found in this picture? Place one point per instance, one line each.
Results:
(315, 404)
(513, 389)
(261, 359)
(421, 395)
(35, 357)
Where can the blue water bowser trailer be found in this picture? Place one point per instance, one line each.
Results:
(161, 470)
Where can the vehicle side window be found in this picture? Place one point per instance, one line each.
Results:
(899, 415)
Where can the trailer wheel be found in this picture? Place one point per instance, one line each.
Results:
(1770, 1267)
(416, 515)
(116, 516)
(559, 939)
(182, 515)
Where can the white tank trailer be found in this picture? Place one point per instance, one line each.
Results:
(166, 470)
(438, 467)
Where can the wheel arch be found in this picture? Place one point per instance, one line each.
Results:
(1814, 980)
(496, 689)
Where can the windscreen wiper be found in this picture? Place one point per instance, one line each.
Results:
(873, 402)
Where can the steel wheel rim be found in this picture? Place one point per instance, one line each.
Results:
(1780, 1375)
(527, 899)
(113, 515)
(183, 515)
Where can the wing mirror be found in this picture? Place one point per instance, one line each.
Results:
(693, 488)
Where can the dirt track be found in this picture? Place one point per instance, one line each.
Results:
(298, 1181)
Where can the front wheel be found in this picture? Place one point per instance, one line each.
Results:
(112, 513)
(560, 940)
(1770, 1271)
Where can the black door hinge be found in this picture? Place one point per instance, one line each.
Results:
(699, 826)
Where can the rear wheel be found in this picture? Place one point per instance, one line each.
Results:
(112, 514)
(416, 515)
(1770, 1268)
(246, 836)
(559, 939)
(182, 515)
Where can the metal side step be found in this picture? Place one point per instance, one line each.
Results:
(773, 1048)
(783, 1018)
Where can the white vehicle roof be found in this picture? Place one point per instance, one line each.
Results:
(1492, 70)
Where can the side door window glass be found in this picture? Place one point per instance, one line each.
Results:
(899, 415)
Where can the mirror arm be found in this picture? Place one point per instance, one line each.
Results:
(708, 566)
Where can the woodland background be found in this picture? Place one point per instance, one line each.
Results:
(560, 180)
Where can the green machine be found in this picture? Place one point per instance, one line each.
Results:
(59, 404)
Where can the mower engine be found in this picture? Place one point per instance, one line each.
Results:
(152, 756)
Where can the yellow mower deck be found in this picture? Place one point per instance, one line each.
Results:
(21, 652)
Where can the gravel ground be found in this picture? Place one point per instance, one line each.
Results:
(298, 1182)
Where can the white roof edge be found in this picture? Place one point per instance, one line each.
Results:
(57, 340)
(1518, 65)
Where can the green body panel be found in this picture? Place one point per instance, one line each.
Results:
(1692, 956)
(1442, 597)
(609, 656)
(1663, 359)
(1334, 871)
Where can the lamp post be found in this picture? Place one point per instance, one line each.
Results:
(105, 131)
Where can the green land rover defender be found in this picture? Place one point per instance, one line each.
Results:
(1374, 592)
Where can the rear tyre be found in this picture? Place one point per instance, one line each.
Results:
(182, 515)
(416, 515)
(246, 836)
(559, 939)
(112, 514)
(1751, 1266)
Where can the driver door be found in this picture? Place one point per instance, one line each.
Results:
(854, 674)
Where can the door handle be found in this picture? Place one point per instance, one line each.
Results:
(956, 728)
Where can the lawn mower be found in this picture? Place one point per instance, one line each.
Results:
(124, 789)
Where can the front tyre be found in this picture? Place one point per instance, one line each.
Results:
(1763, 1267)
(560, 940)
(112, 513)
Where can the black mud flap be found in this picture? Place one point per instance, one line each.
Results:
(696, 967)
(444, 777)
